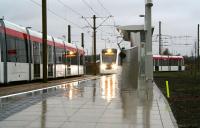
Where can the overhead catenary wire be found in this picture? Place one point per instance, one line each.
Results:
(90, 7)
(67, 6)
(113, 20)
(175, 42)
(106, 10)
(103, 20)
(54, 13)
(109, 13)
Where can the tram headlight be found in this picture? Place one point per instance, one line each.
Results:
(109, 50)
(103, 66)
(114, 66)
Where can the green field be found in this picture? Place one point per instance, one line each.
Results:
(184, 96)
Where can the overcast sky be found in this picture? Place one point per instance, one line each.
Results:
(179, 18)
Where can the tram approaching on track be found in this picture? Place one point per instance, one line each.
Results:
(168, 63)
(109, 60)
(21, 55)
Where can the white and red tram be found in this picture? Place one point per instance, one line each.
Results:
(21, 55)
(168, 63)
(109, 61)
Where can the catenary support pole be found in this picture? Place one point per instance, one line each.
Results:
(94, 44)
(44, 39)
(69, 33)
(160, 39)
(198, 49)
(82, 40)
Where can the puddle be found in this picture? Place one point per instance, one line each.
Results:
(14, 103)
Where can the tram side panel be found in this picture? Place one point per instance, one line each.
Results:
(168, 63)
(18, 71)
(21, 55)
(17, 54)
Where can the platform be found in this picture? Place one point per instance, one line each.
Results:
(99, 103)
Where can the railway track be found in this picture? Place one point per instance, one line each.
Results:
(17, 88)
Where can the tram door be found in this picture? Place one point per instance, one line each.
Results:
(37, 59)
(50, 61)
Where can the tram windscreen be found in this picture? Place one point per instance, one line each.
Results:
(109, 56)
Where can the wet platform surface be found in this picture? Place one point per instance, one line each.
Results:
(104, 102)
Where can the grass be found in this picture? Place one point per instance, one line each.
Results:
(184, 96)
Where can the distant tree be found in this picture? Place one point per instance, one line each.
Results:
(166, 52)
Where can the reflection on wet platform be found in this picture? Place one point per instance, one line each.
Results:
(99, 103)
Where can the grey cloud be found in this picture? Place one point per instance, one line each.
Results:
(179, 17)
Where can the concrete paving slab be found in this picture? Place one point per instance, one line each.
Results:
(98, 103)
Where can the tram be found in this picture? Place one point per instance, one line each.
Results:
(21, 55)
(168, 63)
(109, 60)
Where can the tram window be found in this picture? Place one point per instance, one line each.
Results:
(165, 63)
(50, 54)
(179, 62)
(41, 53)
(1, 45)
(109, 58)
(174, 62)
(36, 53)
(162, 62)
(16, 50)
(59, 56)
(171, 62)
(11, 49)
(21, 51)
(182, 62)
(81, 59)
(74, 60)
(156, 62)
(1, 40)
(68, 60)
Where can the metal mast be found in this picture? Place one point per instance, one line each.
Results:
(44, 39)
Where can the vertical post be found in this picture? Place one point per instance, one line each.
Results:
(94, 43)
(82, 44)
(195, 60)
(167, 89)
(69, 33)
(148, 47)
(198, 49)
(82, 40)
(44, 39)
(160, 43)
